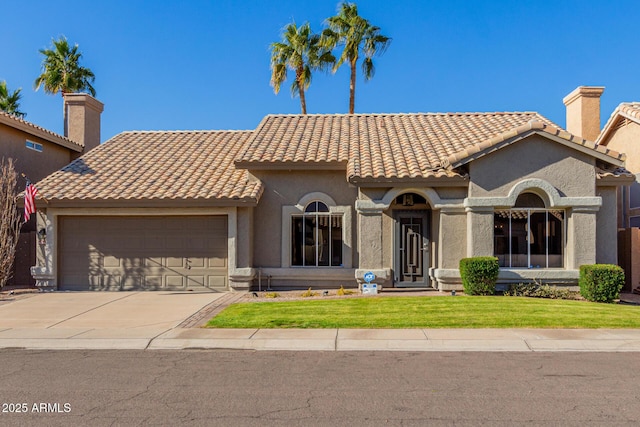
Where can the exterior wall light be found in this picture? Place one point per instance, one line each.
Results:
(42, 236)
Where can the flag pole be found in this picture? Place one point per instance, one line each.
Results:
(26, 178)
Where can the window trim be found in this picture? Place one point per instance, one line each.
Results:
(288, 211)
(530, 211)
(35, 146)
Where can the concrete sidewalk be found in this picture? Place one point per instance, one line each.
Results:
(165, 320)
(528, 340)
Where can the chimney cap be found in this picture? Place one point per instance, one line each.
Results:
(83, 99)
(586, 91)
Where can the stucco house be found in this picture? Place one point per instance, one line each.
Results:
(38, 152)
(622, 133)
(319, 200)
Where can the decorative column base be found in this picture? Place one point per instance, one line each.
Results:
(45, 281)
(240, 279)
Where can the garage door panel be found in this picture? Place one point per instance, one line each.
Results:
(132, 283)
(217, 262)
(174, 281)
(142, 253)
(153, 262)
(174, 262)
(111, 261)
(153, 282)
(195, 281)
(217, 282)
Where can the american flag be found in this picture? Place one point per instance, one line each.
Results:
(30, 192)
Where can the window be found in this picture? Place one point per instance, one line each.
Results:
(316, 237)
(34, 146)
(529, 235)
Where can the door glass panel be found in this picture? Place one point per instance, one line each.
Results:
(310, 232)
(410, 249)
(336, 241)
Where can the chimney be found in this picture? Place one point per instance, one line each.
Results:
(583, 111)
(82, 119)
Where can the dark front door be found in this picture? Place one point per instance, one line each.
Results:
(411, 250)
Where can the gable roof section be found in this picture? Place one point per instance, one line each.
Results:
(375, 146)
(40, 132)
(625, 113)
(535, 127)
(154, 166)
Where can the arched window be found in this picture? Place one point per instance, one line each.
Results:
(316, 237)
(529, 235)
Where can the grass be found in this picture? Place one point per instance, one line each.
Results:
(428, 312)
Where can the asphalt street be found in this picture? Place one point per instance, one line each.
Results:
(249, 388)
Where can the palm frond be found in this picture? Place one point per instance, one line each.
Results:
(61, 70)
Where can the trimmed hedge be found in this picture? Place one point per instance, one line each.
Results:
(601, 282)
(479, 275)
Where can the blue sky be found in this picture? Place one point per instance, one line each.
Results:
(198, 64)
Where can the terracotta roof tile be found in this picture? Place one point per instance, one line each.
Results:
(194, 165)
(376, 145)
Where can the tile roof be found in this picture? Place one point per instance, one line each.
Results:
(376, 145)
(136, 166)
(35, 130)
(627, 111)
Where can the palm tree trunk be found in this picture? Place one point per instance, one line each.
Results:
(303, 101)
(352, 88)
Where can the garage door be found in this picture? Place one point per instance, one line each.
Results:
(142, 253)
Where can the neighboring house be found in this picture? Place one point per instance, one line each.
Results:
(319, 200)
(622, 133)
(38, 152)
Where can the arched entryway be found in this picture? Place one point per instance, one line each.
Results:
(411, 245)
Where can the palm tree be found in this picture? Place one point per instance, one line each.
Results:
(10, 102)
(301, 52)
(357, 35)
(61, 72)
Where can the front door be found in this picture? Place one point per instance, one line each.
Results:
(411, 251)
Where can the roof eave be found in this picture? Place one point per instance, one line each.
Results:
(436, 181)
(611, 125)
(149, 203)
(42, 134)
(508, 138)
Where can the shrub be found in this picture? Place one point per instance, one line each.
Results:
(537, 290)
(271, 295)
(479, 275)
(601, 282)
(308, 293)
(342, 291)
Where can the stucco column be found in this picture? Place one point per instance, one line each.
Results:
(480, 231)
(452, 246)
(370, 243)
(44, 270)
(581, 242)
(607, 227)
(242, 273)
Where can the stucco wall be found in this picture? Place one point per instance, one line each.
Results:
(627, 140)
(286, 188)
(36, 165)
(533, 157)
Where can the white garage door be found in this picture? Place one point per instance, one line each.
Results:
(142, 253)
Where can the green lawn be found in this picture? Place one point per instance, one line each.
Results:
(428, 312)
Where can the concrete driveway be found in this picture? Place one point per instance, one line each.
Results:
(129, 316)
